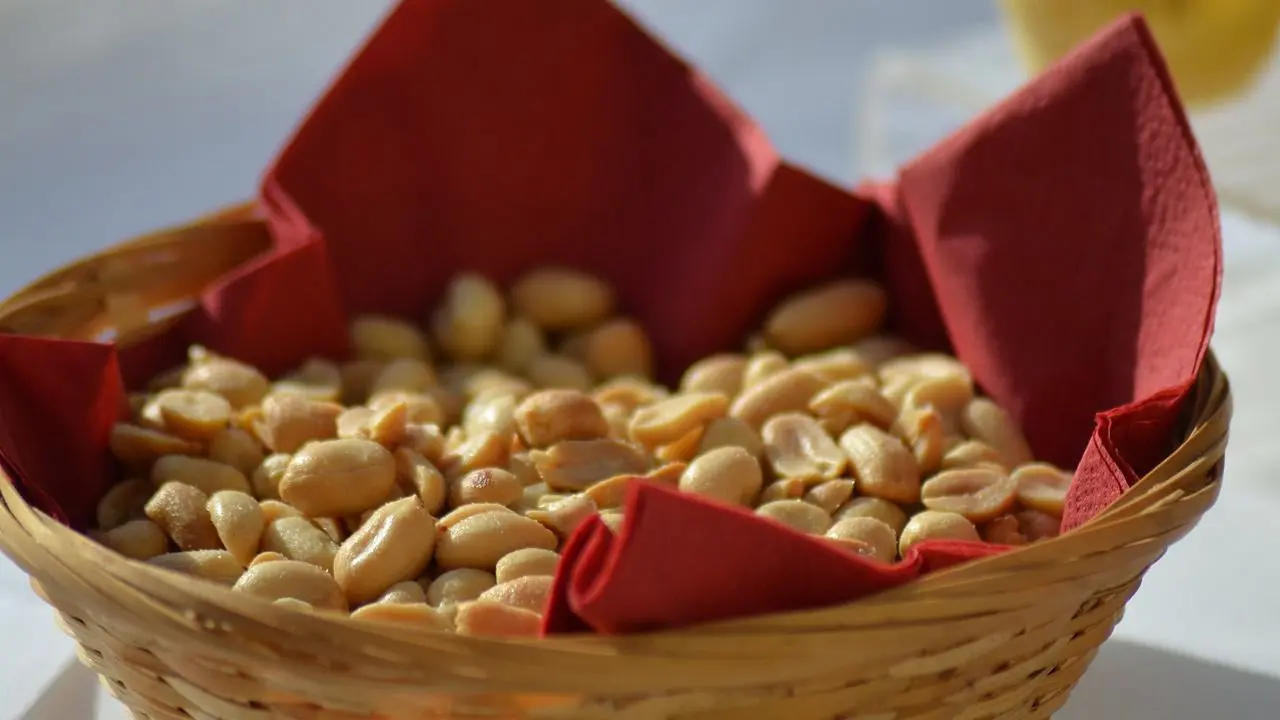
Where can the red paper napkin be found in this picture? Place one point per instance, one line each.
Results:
(1065, 244)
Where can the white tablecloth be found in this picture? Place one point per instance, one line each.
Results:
(121, 115)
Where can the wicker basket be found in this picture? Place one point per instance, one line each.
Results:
(1005, 637)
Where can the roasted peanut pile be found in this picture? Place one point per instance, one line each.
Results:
(432, 479)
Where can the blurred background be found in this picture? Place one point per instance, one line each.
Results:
(119, 116)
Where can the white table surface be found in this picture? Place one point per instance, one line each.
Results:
(117, 116)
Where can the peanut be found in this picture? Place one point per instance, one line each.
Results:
(417, 475)
(562, 299)
(487, 449)
(574, 465)
(469, 325)
(266, 478)
(565, 515)
(971, 453)
(380, 338)
(332, 478)
(136, 446)
(404, 592)
(393, 546)
(180, 511)
(293, 579)
(488, 618)
(922, 430)
(526, 562)
(521, 342)
(238, 519)
(616, 348)
(788, 390)
(836, 365)
(797, 515)
(273, 510)
(874, 507)
(123, 502)
(291, 421)
(669, 420)
(760, 365)
(629, 393)
(456, 586)
(883, 466)
(798, 447)
(137, 539)
(418, 615)
(558, 371)
(866, 536)
(730, 432)
(976, 494)
(240, 384)
(487, 485)
(551, 416)
(217, 565)
(784, 489)
(530, 592)
(1042, 487)
(298, 539)
(728, 474)
(850, 402)
(482, 540)
(1036, 525)
(192, 414)
(205, 475)
(823, 317)
(830, 495)
(935, 525)
(682, 449)
(718, 374)
(983, 420)
(237, 448)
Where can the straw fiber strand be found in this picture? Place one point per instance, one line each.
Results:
(997, 639)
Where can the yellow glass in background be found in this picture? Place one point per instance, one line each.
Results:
(1215, 48)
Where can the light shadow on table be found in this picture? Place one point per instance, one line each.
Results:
(1127, 682)
(1136, 682)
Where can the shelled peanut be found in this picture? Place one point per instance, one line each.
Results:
(432, 479)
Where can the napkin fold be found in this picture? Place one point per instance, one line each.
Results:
(1064, 244)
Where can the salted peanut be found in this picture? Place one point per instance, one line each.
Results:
(334, 478)
(557, 298)
(317, 378)
(978, 494)
(682, 449)
(486, 485)
(935, 525)
(629, 393)
(206, 475)
(551, 416)
(419, 615)
(922, 365)
(417, 474)
(424, 438)
(895, 389)
(612, 519)
(521, 342)
(299, 539)
(136, 446)
(971, 453)
(238, 519)
(290, 421)
(334, 527)
(237, 448)
(565, 515)
(618, 347)
(760, 365)
(830, 495)
(946, 393)
(873, 507)
(798, 447)
(405, 592)
(123, 502)
(521, 465)
(403, 375)
(1042, 487)
(784, 489)
(394, 545)
(193, 414)
(718, 373)
(879, 349)
(610, 492)
(381, 338)
(574, 465)
(481, 451)
(273, 510)
(823, 317)
(526, 562)
(667, 474)
(137, 539)
(730, 432)
(353, 422)
(240, 384)
(266, 557)
(419, 407)
(458, 586)
(1036, 525)
(530, 592)
(922, 429)
(558, 371)
(983, 420)
(788, 390)
(357, 379)
(797, 515)
(836, 365)
(293, 579)
(266, 478)
(387, 422)
(493, 412)
(469, 323)
(457, 515)
(179, 510)
(669, 420)
(488, 618)
(851, 402)
(216, 565)
(882, 465)
(729, 474)
(619, 420)
(1003, 530)
(533, 497)
(294, 604)
(481, 540)
(866, 536)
